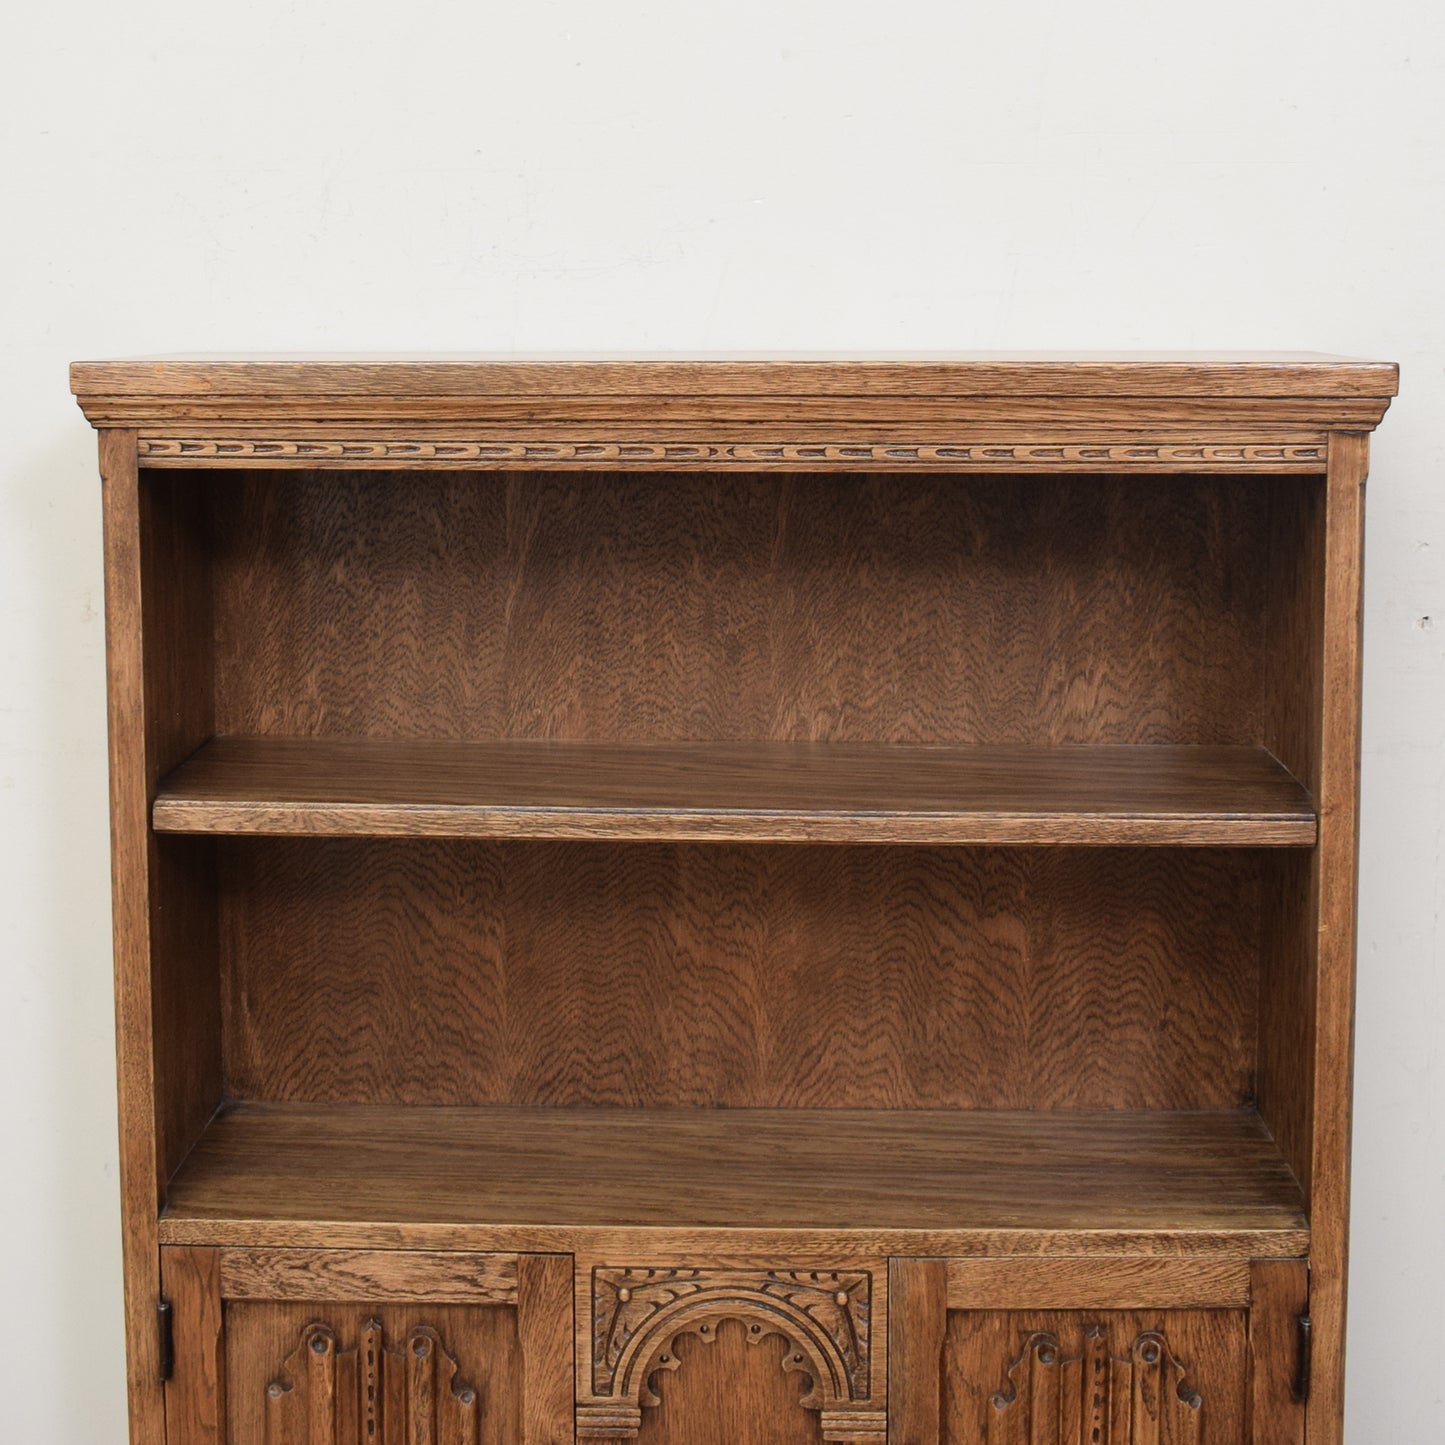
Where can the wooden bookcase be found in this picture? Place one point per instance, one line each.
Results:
(734, 901)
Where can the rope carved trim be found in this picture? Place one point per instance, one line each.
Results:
(179, 451)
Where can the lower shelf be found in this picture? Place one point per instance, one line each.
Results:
(884, 1182)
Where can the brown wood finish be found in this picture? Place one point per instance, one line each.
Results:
(732, 1389)
(293, 1348)
(1293, 728)
(545, 1334)
(569, 973)
(818, 830)
(304, 379)
(760, 792)
(920, 1181)
(1092, 1283)
(166, 980)
(176, 650)
(1280, 1298)
(142, 1171)
(1133, 1377)
(635, 1323)
(918, 1322)
(359, 1275)
(371, 1374)
(1035, 611)
(1333, 887)
(195, 1395)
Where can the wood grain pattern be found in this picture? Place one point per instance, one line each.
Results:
(1061, 1283)
(628, 631)
(747, 976)
(142, 1149)
(376, 1392)
(362, 1275)
(545, 1330)
(175, 643)
(828, 1318)
(383, 1347)
(378, 1374)
(936, 1181)
(195, 1395)
(762, 792)
(940, 374)
(1113, 1378)
(731, 1390)
(961, 413)
(1036, 611)
(808, 417)
(1294, 641)
(640, 1310)
(1334, 889)
(1280, 1290)
(917, 1324)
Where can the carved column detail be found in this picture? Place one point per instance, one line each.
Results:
(824, 1316)
(373, 1393)
(1095, 1398)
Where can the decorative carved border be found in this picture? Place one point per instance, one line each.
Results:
(248, 451)
(825, 1317)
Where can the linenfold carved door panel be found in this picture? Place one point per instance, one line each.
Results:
(1165, 1377)
(337, 1347)
(1097, 1351)
(370, 1375)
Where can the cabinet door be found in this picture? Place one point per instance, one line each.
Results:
(341, 1347)
(1095, 1352)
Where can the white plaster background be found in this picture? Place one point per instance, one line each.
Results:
(788, 175)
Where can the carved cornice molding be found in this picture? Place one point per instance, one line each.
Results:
(390, 452)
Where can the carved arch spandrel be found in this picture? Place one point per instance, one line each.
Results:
(375, 1392)
(1095, 1397)
(823, 1316)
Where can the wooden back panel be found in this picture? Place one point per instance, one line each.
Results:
(449, 972)
(737, 607)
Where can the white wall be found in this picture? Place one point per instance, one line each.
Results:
(669, 175)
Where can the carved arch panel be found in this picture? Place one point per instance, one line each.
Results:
(825, 1318)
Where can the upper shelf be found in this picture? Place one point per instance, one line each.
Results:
(739, 792)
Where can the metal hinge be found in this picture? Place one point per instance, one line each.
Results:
(165, 1319)
(1302, 1378)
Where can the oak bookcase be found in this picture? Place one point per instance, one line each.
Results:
(734, 901)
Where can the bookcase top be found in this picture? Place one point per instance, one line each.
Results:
(880, 374)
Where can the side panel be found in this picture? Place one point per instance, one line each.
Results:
(1337, 797)
(167, 999)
